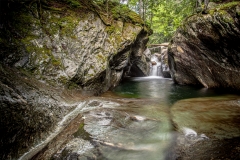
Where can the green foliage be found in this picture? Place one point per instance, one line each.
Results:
(124, 13)
(165, 16)
(113, 10)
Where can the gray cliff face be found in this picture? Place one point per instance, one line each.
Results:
(81, 50)
(89, 56)
(205, 49)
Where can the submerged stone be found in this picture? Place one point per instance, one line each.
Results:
(205, 125)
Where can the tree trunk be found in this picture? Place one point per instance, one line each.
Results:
(107, 7)
(206, 4)
(141, 9)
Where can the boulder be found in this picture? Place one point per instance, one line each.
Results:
(140, 57)
(205, 50)
(153, 62)
(79, 47)
(29, 111)
(147, 53)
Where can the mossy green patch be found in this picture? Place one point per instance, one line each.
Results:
(124, 13)
(226, 16)
(108, 12)
(68, 23)
(53, 9)
(56, 62)
(135, 17)
(224, 7)
(63, 24)
(101, 57)
(63, 79)
(110, 29)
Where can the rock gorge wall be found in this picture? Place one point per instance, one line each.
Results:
(205, 49)
(82, 46)
(53, 52)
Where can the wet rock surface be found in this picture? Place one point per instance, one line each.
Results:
(113, 127)
(129, 129)
(117, 130)
(29, 111)
(205, 49)
(209, 128)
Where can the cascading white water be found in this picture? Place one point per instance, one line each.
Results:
(155, 67)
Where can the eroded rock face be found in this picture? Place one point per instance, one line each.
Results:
(205, 49)
(80, 49)
(29, 111)
(140, 57)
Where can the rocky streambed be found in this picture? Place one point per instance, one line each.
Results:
(167, 126)
(112, 130)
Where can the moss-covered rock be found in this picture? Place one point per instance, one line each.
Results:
(205, 49)
(73, 41)
(51, 49)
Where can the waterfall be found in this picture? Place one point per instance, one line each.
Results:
(155, 66)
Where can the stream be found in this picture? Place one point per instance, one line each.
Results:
(148, 118)
(151, 118)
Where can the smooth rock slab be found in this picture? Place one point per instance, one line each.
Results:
(125, 131)
(205, 126)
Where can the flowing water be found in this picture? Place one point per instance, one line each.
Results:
(152, 118)
(155, 67)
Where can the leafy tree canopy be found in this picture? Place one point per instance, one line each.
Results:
(165, 16)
